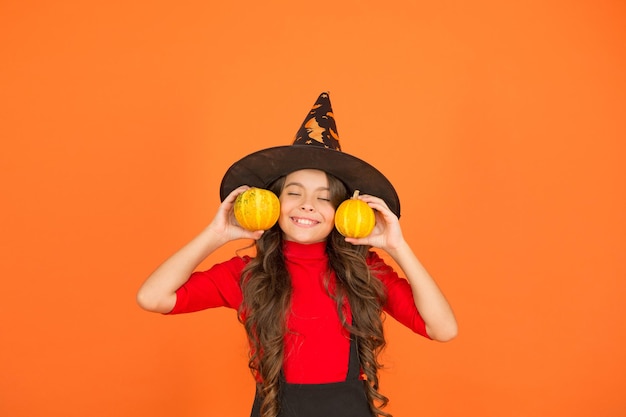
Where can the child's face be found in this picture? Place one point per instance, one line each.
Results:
(306, 212)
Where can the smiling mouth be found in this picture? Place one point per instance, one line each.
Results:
(304, 222)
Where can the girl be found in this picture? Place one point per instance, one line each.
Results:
(310, 300)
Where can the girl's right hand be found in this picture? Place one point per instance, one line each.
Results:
(224, 224)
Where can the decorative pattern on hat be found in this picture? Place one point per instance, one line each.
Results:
(319, 127)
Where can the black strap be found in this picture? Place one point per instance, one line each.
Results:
(339, 399)
(354, 365)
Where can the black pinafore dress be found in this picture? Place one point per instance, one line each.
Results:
(337, 399)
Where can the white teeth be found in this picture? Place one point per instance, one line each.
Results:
(306, 222)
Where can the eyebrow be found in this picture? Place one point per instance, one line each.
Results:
(297, 184)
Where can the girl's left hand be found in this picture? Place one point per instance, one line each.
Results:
(387, 234)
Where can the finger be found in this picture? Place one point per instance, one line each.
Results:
(355, 241)
(384, 211)
(368, 198)
(376, 203)
(256, 235)
(233, 194)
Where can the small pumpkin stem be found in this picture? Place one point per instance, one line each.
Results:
(355, 195)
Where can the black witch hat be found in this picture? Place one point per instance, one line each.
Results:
(316, 146)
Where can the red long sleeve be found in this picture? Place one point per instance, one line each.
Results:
(316, 345)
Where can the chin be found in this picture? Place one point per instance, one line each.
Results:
(304, 240)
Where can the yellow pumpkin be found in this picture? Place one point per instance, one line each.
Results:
(257, 209)
(354, 218)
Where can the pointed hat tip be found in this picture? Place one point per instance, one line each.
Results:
(319, 127)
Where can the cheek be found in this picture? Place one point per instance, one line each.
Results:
(329, 215)
(285, 210)
(285, 207)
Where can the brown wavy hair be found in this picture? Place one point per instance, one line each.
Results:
(266, 287)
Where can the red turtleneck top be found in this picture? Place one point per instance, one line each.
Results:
(316, 345)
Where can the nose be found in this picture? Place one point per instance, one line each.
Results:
(307, 205)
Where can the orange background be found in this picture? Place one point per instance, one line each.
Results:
(500, 123)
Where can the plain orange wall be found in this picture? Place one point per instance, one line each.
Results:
(501, 124)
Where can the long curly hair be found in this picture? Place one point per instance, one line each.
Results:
(266, 287)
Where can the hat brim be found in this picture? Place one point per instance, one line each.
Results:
(263, 167)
